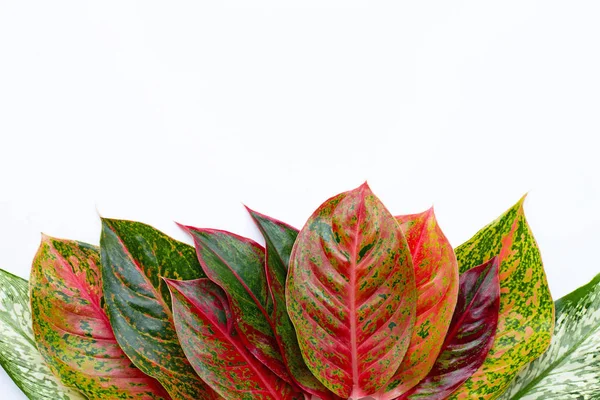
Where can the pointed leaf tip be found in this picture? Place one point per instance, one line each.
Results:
(436, 277)
(526, 319)
(351, 255)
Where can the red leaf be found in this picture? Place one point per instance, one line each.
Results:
(237, 265)
(351, 293)
(471, 334)
(436, 276)
(203, 321)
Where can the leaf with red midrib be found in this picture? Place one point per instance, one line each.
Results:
(470, 337)
(72, 330)
(237, 265)
(211, 343)
(436, 276)
(351, 293)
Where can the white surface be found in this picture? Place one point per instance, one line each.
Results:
(158, 111)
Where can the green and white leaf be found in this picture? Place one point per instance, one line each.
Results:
(18, 354)
(570, 369)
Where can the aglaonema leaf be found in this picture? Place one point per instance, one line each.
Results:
(436, 277)
(18, 353)
(72, 330)
(351, 293)
(470, 336)
(237, 265)
(570, 369)
(203, 320)
(526, 319)
(279, 240)
(134, 258)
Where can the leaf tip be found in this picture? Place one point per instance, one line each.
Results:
(186, 228)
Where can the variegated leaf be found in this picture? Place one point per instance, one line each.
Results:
(72, 330)
(436, 277)
(279, 239)
(570, 369)
(526, 318)
(135, 257)
(470, 336)
(237, 265)
(351, 293)
(204, 324)
(18, 353)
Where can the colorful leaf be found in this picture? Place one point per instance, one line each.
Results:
(570, 369)
(279, 240)
(237, 265)
(18, 353)
(470, 337)
(351, 293)
(436, 278)
(134, 258)
(72, 330)
(526, 318)
(204, 325)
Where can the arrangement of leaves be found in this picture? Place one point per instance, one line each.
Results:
(357, 304)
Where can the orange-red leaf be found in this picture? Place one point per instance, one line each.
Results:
(436, 278)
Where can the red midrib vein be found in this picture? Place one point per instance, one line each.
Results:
(241, 350)
(352, 311)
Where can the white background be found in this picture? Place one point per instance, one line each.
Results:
(164, 111)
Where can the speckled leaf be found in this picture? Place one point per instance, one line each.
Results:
(18, 353)
(237, 265)
(526, 318)
(351, 293)
(204, 324)
(72, 330)
(134, 258)
(279, 240)
(436, 278)
(470, 336)
(570, 369)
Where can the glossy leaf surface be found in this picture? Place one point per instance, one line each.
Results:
(204, 324)
(470, 336)
(526, 318)
(134, 258)
(351, 293)
(72, 330)
(570, 369)
(436, 278)
(279, 240)
(18, 353)
(237, 265)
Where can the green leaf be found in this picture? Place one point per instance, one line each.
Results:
(570, 369)
(279, 239)
(237, 265)
(18, 353)
(203, 320)
(526, 319)
(351, 293)
(71, 329)
(135, 257)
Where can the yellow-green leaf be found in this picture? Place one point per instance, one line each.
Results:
(526, 319)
